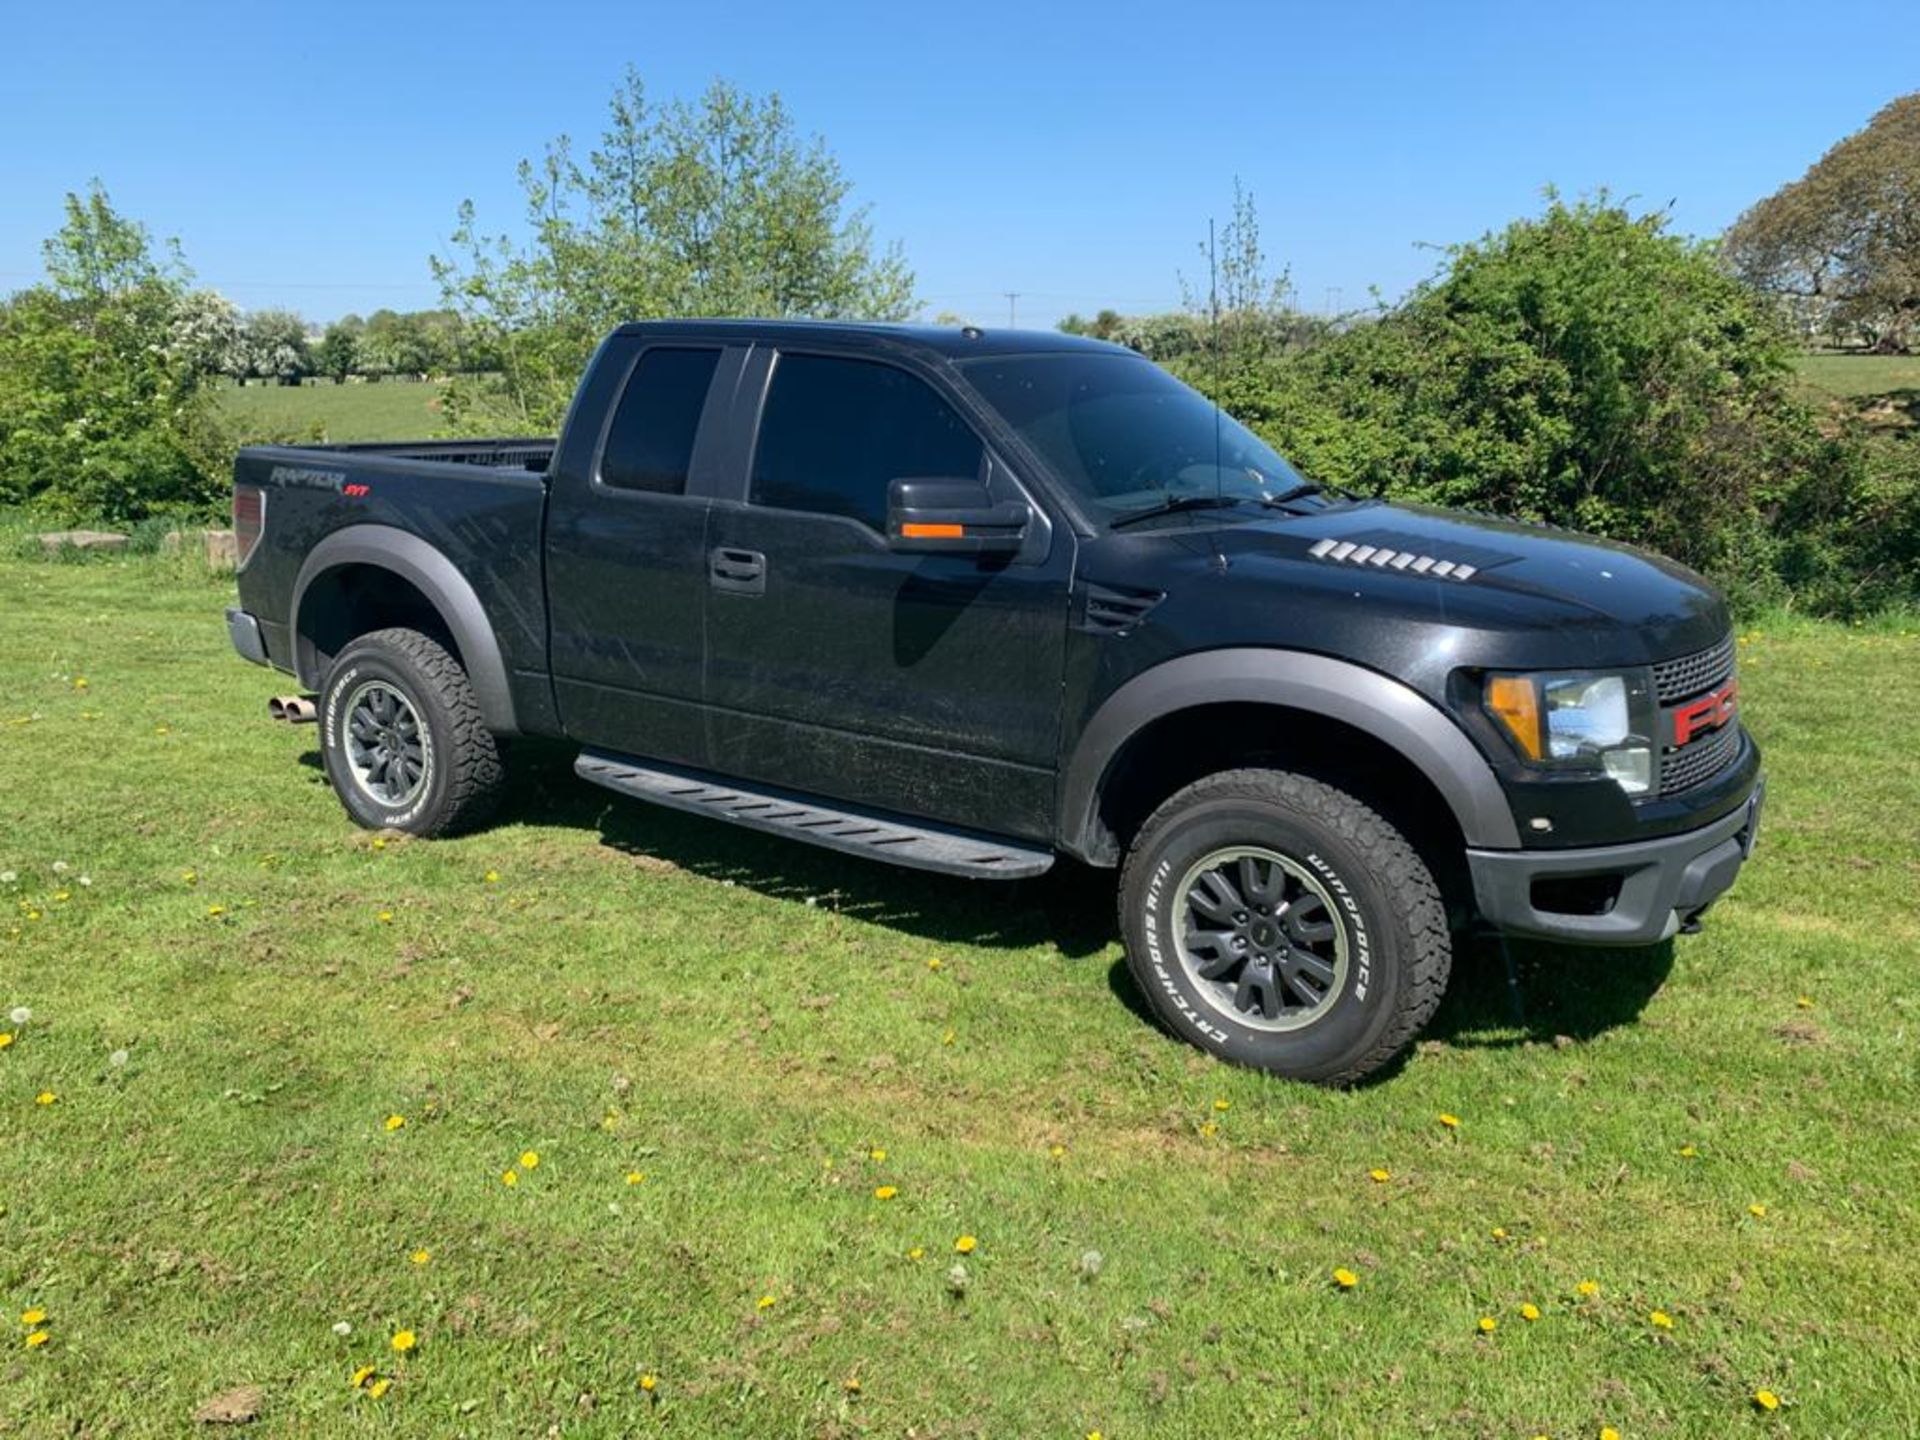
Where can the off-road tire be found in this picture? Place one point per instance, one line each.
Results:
(1397, 947)
(460, 759)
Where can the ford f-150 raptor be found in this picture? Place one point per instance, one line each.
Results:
(973, 600)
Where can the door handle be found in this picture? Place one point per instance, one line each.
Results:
(743, 572)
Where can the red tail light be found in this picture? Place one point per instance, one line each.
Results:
(249, 520)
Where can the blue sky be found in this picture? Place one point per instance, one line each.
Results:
(314, 155)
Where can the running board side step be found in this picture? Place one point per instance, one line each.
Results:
(891, 839)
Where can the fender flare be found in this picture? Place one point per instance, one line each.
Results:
(1391, 712)
(447, 590)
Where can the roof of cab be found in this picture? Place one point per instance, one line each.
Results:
(954, 342)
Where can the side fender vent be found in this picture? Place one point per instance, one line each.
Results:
(1109, 611)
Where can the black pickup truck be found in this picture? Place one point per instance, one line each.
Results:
(973, 600)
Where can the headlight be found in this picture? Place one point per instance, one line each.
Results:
(1579, 722)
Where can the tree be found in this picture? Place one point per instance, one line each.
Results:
(276, 345)
(711, 207)
(206, 334)
(338, 353)
(1840, 247)
(101, 414)
(1587, 368)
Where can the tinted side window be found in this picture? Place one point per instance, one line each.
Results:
(835, 433)
(650, 443)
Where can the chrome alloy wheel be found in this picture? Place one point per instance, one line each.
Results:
(389, 752)
(1262, 937)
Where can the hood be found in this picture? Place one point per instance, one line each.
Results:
(1605, 602)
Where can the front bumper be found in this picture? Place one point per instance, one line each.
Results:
(1632, 894)
(244, 631)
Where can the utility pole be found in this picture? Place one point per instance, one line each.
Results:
(1013, 298)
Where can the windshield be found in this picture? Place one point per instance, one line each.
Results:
(1126, 435)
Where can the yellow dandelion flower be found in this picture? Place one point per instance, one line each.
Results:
(649, 1383)
(45, 1097)
(851, 1384)
(916, 1252)
(877, 1155)
(33, 1316)
(386, 917)
(1488, 1324)
(37, 1339)
(509, 1177)
(947, 1039)
(404, 1340)
(1687, 1152)
(635, 1177)
(1766, 1399)
(1223, 1106)
(1607, 1432)
(421, 1256)
(1379, 1176)
(379, 1387)
(765, 1302)
(61, 897)
(394, 1122)
(1095, 1435)
(1588, 1287)
(190, 877)
(966, 1245)
(216, 911)
(935, 963)
(1757, 1210)
(1345, 1278)
(1805, 1002)
(6, 1038)
(884, 1192)
(1499, 1232)
(379, 842)
(362, 1375)
(1209, 1130)
(1057, 1151)
(1452, 1122)
(530, 1160)
(79, 682)
(1660, 1320)
(492, 877)
(1529, 1311)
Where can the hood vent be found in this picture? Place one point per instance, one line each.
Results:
(1114, 612)
(1395, 552)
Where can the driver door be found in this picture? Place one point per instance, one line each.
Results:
(924, 684)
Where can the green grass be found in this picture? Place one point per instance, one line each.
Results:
(1860, 377)
(340, 414)
(745, 1021)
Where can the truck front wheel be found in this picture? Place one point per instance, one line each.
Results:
(403, 738)
(1279, 923)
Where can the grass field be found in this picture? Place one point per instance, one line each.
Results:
(1861, 377)
(341, 414)
(289, 1070)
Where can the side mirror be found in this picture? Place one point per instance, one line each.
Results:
(953, 517)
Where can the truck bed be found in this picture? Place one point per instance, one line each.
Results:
(474, 508)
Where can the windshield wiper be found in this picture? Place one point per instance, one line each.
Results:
(1298, 492)
(1173, 505)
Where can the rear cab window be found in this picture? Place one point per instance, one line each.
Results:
(649, 444)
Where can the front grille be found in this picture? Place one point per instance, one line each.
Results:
(1699, 762)
(1693, 674)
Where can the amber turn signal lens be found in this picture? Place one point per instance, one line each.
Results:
(933, 532)
(1514, 700)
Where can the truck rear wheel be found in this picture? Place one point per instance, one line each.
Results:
(403, 739)
(1279, 923)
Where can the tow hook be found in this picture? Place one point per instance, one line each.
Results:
(294, 709)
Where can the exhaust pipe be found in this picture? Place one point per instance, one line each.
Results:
(294, 709)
